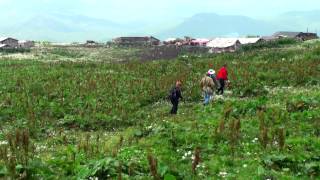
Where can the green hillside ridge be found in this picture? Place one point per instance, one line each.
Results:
(69, 114)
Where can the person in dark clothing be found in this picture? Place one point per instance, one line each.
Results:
(222, 78)
(175, 96)
(222, 86)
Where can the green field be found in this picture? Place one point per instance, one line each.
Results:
(77, 113)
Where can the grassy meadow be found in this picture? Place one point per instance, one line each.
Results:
(78, 113)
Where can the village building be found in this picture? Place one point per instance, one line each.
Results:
(269, 38)
(4, 46)
(220, 45)
(10, 42)
(26, 44)
(172, 41)
(199, 42)
(295, 35)
(139, 41)
(245, 41)
(91, 43)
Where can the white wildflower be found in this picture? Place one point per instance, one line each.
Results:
(189, 153)
(228, 92)
(245, 165)
(255, 140)
(219, 97)
(223, 174)
(4, 142)
(193, 157)
(41, 147)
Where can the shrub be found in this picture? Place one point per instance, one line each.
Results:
(15, 50)
(268, 44)
(67, 53)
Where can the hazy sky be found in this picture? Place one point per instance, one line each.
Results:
(146, 10)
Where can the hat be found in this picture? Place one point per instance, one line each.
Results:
(211, 72)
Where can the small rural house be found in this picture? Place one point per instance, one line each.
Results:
(147, 40)
(172, 41)
(26, 44)
(4, 46)
(250, 40)
(269, 38)
(296, 35)
(91, 43)
(199, 42)
(178, 41)
(219, 45)
(10, 42)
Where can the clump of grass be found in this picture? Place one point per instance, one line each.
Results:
(219, 131)
(263, 129)
(221, 126)
(227, 111)
(261, 117)
(120, 171)
(237, 127)
(264, 139)
(66, 53)
(234, 133)
(196, 160)
(18, 151)
(281, 138)
(91, 146)
(153, 165)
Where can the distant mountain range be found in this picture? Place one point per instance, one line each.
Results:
(211, 25)
(69, 27)
(66, 28)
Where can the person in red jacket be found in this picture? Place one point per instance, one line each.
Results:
(222, 78)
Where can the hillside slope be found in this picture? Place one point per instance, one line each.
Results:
(211, 25)
(69, 118)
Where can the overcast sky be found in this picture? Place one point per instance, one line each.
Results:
(146, 10)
